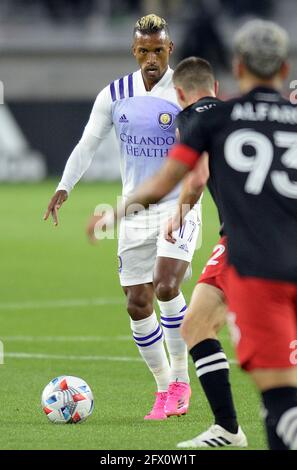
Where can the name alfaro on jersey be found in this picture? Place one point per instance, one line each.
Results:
(264, 111)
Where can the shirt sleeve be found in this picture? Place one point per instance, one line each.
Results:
(98, 126)
(182, 121)
(184, 154)
(78, 162)
(100, 121)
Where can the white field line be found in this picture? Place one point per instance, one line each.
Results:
(23, 355)
(63, 303)
(63, 339)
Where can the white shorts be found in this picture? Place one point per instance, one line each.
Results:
(141, 243)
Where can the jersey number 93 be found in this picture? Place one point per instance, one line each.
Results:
(259, 165)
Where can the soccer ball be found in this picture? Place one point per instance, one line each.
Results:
(67, 399)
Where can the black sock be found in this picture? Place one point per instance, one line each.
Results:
(281, 417)
(215, 381)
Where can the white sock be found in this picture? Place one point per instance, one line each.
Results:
(149, 338)
(172, 313)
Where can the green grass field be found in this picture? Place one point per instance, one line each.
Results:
(63, 312)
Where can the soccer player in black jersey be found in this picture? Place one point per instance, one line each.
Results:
(252, 146)
(195, 86)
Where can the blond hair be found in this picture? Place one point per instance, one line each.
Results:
(151, 24)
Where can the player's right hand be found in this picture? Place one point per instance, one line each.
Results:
(54, 205)
(173, 224)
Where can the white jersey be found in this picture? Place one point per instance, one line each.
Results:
(144, 125)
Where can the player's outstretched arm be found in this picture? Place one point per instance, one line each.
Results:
(54, 205)
(150, 192)
(98, 126)
(192, 189)
(188, 198)
(77, 164)
(156, 187)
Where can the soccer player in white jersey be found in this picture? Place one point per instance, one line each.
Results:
(142, 107)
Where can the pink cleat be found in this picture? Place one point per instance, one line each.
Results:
(158, 412)
(178, 397)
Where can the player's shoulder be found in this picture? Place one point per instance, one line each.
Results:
(205, 104)
(123, 87)
(118, 89)
(201, 111)
(260, 95)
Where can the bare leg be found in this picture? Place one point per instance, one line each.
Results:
(205, 316)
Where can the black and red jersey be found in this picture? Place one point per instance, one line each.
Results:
(252, 146)
(184, 121)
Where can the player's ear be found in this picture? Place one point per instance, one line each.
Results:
(134, 45)
(181, 97)
(171, 47)
(284, 70)
(237, 67)
(216, 87)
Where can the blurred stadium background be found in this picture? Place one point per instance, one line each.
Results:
(55, 55)
(61, 308)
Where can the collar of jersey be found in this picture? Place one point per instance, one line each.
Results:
(167, 77)
(263, 89)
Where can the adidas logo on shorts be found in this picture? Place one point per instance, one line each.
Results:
(184, 247)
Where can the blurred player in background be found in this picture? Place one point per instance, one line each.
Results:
(251, 142)
(142, 106)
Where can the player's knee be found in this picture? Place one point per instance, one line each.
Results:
(166, 289)
(138, 307)
(266, 379)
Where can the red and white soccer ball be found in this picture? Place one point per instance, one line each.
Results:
(67, 399)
